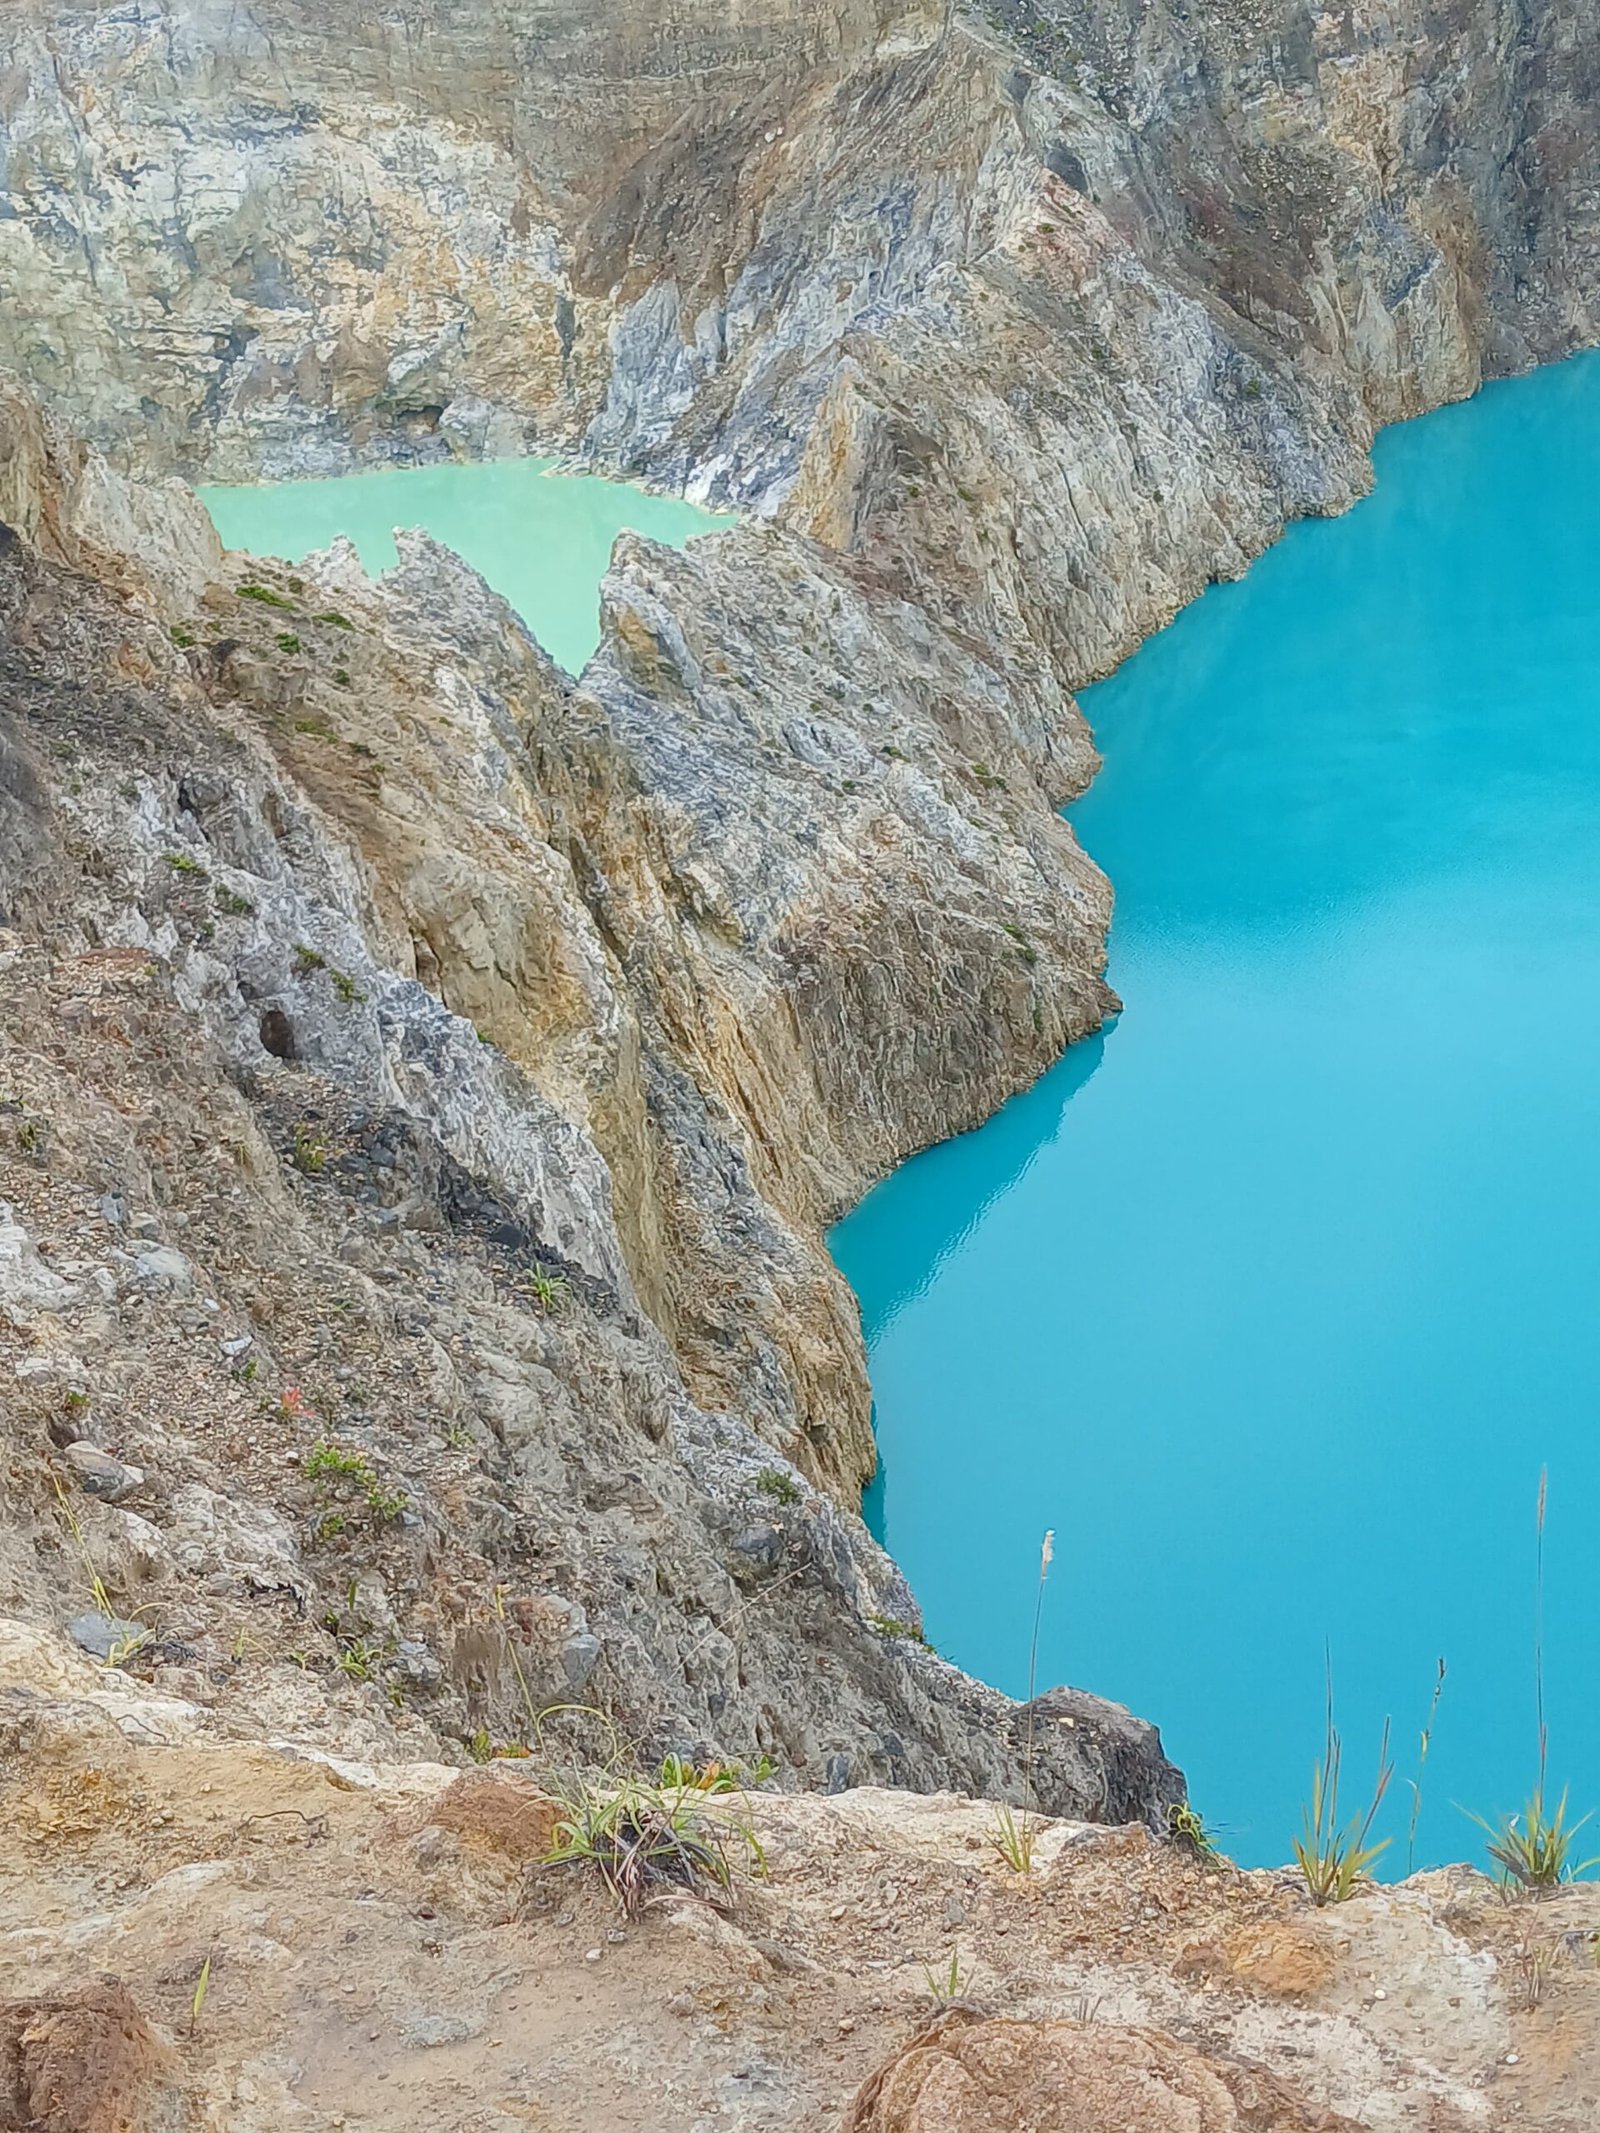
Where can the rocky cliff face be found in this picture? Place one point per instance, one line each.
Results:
(337, 1406)
(1008, 329)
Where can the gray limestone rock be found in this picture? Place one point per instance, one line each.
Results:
(98, 1474)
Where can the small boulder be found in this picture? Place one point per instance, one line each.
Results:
(580, 1655)
(106, 1637)
(98, 1474)
(757, 1551)
(417, 1666)
(965, 2074)
(165, 1269)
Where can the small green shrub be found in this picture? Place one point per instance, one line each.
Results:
(181, 863)
(892, 1626)
(233, 906)
(1186, 1827)
(182, 638)
(307, 960)
(346, 987)
(781, 1487)
(342, 676)
(264, 596)
(288, 641)
(310, 1151)
(335, 1466)
(359, 1659)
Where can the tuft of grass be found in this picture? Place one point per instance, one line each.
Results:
(317, 727)
(335, 620)
(341, 676)
(287, 641)
(551, 1292)
(892, 1626)
(1187, 1828)
(1336, 1858)
(346, 987)
(648, 1841)
(182, 638)
(945, 1987)
(306, 960)
(1013, 1837)
(1534, 1963)
(781, 1487)
(234, 906)
(1533, 1849)
(310, 1151)
(264, 596)
(181, 863)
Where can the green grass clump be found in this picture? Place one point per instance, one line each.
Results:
(336, 621)
(182, 638)
(892, 1626)
(1336, 1857)
(781, 1487)
(335, 1467)
(310, 1151)
(647, 1841)
(181, 863)
(264, 596)
(288, 641)
(1187, 1829)
(1533, 1850)
(307, 960)
(551, 1292)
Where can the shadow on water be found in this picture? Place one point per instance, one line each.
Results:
(890, 1251)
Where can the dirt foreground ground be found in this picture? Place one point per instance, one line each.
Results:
(201, 1932)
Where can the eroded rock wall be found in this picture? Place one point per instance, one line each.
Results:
(340, 935)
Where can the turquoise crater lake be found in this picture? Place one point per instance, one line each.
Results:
(1274, 1300)
(541, 539)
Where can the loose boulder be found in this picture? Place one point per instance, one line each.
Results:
(966, 2074)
